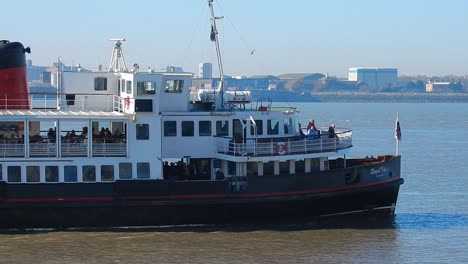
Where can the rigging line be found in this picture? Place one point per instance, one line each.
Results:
(194, 32)
(244, 41)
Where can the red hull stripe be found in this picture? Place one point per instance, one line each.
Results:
(199, 196)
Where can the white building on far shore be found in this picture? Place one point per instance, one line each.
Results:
(375, 78)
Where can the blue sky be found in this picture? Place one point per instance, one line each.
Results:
(418, 37)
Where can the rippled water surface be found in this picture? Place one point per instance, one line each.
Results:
(431, 225)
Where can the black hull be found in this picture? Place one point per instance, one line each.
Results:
(130, 204)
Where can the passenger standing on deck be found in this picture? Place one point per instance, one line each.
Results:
(219, 174)
(312, 132)
(331, 131)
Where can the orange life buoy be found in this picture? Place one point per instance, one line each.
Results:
(127, 102)
(281, 148)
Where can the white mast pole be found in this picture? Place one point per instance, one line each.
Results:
(214, 34)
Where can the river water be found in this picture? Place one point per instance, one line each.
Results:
(430, 226)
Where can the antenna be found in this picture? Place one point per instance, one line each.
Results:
(214, 37)
(117, 63)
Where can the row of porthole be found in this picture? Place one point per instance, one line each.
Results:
(70, 173)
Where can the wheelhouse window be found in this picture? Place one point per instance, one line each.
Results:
(259, 125)
(143, 105)
(129, 87)
(70, 173)
(100, 84)
(89, 173)
(170, 128)
(222, 128)
(188, 128)
(107, 173)
(51, 174)
(125, 170)
(122, 86)
(143, 170)
(288, 126)
(33, 173)
(272, 127)
(144, 88)
(174, 86)
(204, 128)
(142, 131)
(14, 173)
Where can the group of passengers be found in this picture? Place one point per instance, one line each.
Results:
(314, 133)
(180, 171)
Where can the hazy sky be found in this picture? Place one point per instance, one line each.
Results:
(426, 37)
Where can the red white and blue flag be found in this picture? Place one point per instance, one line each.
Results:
(397, 129)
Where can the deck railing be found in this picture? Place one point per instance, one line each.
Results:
(286, 146)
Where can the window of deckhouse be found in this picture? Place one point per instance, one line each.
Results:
(51, 173)
(170, 128)
(107, 173)
(125, 170)
(288, 126)
(122, 86)
(89, 173)
(143, 170)
(204, 128)
(129, 87)
(188, 128)
(100, 84)
(272, 127)
(70, 173)
(14, 173)
(33, 173)
(142, 131)
(259, 126)
(222, 128)
(144, 88)
(174, 86)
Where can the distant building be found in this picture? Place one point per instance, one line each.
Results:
(46, 78)
(375, 78)
(438, 87)
(205, 70)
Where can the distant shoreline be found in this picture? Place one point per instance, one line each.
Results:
(374, 97)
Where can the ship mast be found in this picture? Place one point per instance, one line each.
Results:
(214, 37)
(117, 63)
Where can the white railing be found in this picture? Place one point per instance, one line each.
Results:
(11, 150)
(102, 102)
(285, 146)
(40, 149)
(109, 149)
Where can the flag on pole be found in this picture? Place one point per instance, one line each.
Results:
(397, 129)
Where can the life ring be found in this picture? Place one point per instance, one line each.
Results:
(281, 148)
(127, 102)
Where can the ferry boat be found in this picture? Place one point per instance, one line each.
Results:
(134, 148)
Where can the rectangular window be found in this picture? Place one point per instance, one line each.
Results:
(125, 170)
(204, 128)
(33, 174)
(188, 128)
(288, 126)
(143, 170)
(222, 128)
(1, 172)
(122, 86)
(14, 173)
(100, 84)
(70, 98)
(142, 131)
(170, 128)
(174, 86)
(89, 173)
(129, 87)
(273, 126)
(107, 173)
(51, 174)
(143, 105)
(259, 124)
(144, 88)
(70, 173)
